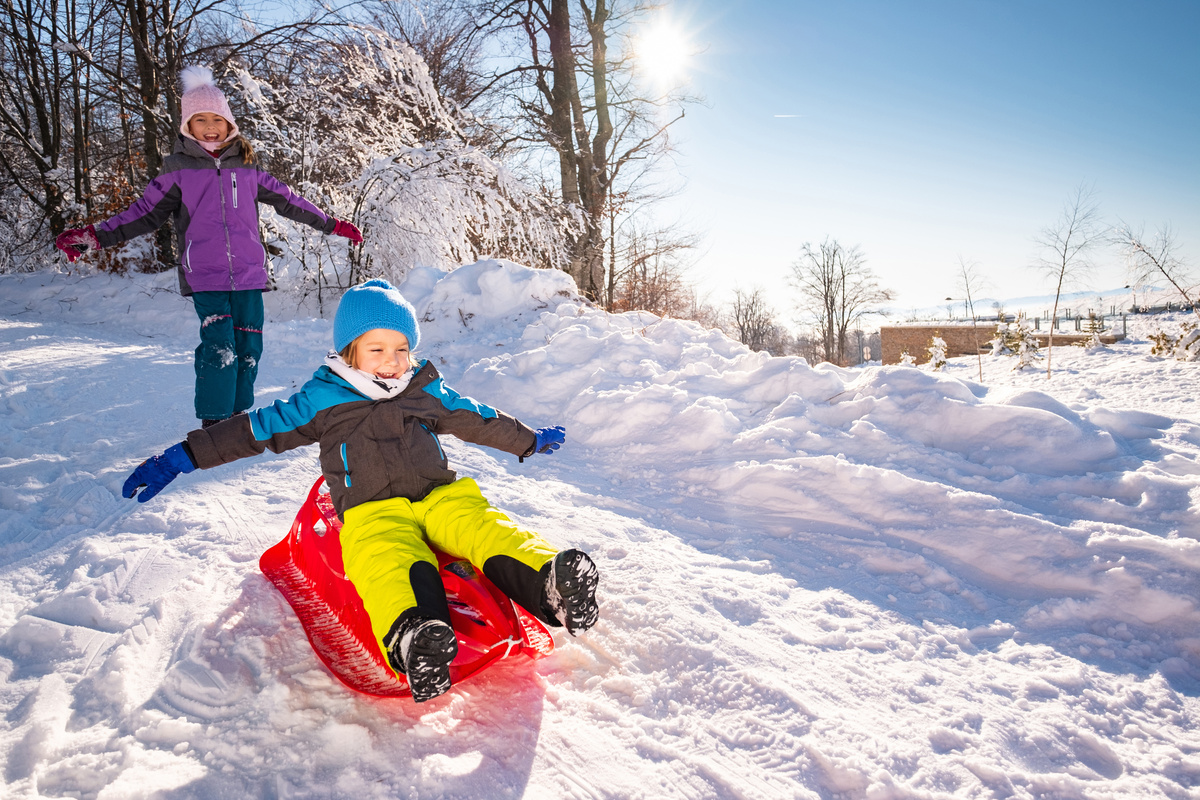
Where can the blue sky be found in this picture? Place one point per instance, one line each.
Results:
(931, 129)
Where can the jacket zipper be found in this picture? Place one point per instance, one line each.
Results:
(225, 225)
(187, 257)
(233, 179)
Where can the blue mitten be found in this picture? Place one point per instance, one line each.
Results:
(155, 473)
(549, 439)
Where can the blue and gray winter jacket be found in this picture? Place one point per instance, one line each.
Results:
(370, 449)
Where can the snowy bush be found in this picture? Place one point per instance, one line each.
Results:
(1016, 339)
(1185, 347)
(1188, 346)
(937, 354)
(21, 248)
(1026, 344)
(907, 359)
(1004, 342)
(1094, 327)
(373, 142)
(1093, 342)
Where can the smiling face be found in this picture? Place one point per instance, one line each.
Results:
(209, 127)
(382, 352)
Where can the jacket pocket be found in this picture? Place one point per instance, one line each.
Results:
(346, 465)
(187, 257)
(436, 443)
(233, 179)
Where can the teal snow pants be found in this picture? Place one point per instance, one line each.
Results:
(231, 344)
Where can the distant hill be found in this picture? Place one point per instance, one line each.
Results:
(1077, 303)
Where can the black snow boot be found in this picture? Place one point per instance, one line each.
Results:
(422, 648)
(569, 595)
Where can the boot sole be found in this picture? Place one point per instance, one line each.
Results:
(429, 659)
(576, 579)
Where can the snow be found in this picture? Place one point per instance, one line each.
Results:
(815, 582)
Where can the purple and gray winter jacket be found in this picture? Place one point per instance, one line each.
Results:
(215, 204)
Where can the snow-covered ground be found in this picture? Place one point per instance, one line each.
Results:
(816, 583)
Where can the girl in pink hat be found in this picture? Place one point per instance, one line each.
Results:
(211, 187)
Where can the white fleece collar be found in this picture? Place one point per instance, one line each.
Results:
(365, 383)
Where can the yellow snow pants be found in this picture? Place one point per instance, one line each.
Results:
(383, 540)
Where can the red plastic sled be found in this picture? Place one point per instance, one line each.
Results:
(307, 568)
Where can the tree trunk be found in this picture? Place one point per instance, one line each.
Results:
(147, 72)
(594, 165)
(559, 97)
(139, 16)
(78, 142)
(558, 30)
(30, 116)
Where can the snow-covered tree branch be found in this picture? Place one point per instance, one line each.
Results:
(371, 138)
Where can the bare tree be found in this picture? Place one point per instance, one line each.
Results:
(837, 288)
(753, 318)
(648, 273)
(579, 96)
(701, 310)
(1150, 259)
(809, 347)
(970, 284)
(1067, 247)
(781, 342)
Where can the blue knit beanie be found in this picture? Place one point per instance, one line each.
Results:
(374, 304)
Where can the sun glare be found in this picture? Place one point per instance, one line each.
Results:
(663, 51)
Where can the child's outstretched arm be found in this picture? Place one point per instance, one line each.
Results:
(279, 196)
(477, 423)
(146, 214)
(283, 425)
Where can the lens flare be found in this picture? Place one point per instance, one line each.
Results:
(663, 51)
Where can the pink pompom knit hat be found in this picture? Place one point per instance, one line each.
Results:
(201, 95)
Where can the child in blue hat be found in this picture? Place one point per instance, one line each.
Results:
(376, 413)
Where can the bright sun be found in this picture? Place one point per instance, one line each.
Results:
(663, 51)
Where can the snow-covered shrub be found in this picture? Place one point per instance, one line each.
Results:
(367, 137)
(1026, 344)
(937, 354)
(1188, 346)
(1185, 347)
(1094, 327)
(1016, 339)
(1162, 344)
(907, 359)
(1004, 342)
(21, 249)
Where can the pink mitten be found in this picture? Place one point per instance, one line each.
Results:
(347, 229)
(77, 241)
